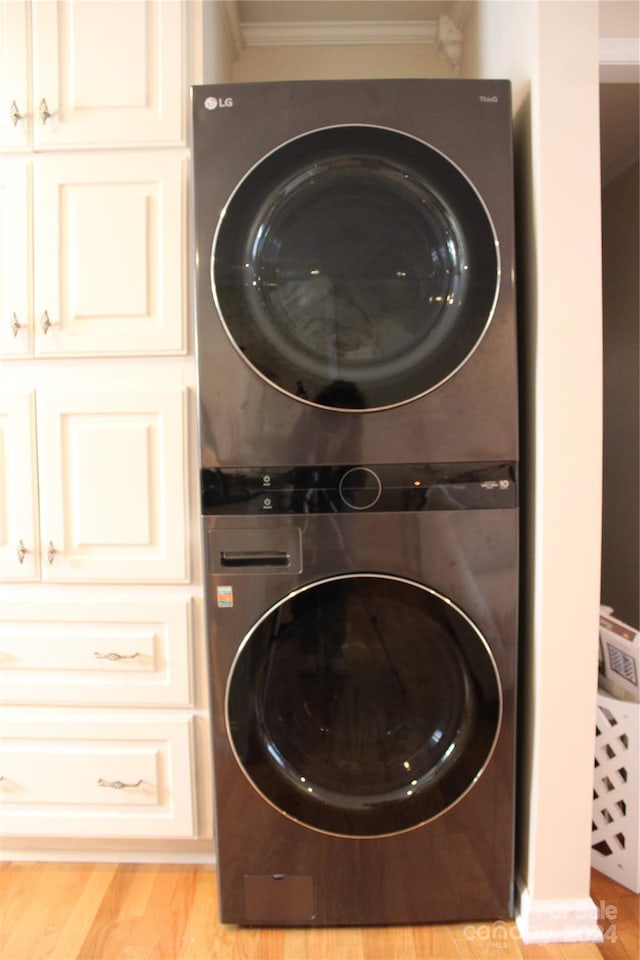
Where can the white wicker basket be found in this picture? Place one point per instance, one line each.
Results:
(615, 840)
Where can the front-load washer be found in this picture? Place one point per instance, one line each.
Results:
(362, 651)
(354, 264)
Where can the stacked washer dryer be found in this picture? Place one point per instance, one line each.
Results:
(356, 346)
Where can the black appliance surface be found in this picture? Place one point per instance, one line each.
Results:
(363, 672)
(357, 390)
(354, 247)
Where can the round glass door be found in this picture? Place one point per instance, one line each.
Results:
(355, 268)
(363, 705)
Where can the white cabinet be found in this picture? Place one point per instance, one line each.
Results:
(77, 771)
(112, 501)
(112, 484)
(109, 251)
(16, 327)
(86, 73)
(91, 774)
(122, 652)
(100, 622)
(19, 533)
(108, 247)
(15, 85)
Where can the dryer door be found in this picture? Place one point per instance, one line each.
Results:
(355, 268)
(364, 705)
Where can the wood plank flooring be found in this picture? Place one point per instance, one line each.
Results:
(148, 912)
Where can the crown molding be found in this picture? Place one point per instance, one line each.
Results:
(351, 32)
(443, 32)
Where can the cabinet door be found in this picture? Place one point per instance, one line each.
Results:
(15, 249)
(15, 95)
(109, 240)
(19, 546)
(112, 486)
(109, 73)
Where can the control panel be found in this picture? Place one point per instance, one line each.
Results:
(389, 488)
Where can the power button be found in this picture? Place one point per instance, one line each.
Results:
(360, 488)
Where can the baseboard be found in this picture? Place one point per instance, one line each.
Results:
(557, 921)
(104, 856)
(65, 850)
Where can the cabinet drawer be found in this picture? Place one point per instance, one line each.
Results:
(94, 777)
(120, 654)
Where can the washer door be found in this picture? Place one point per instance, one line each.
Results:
(355, 268)
(363, 705)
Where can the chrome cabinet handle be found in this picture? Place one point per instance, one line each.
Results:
(21, 552)
(51, 552)
(16, 326)
(45, 321)
(44, 111)
(14, 114)
(117, 784)
(116, 656)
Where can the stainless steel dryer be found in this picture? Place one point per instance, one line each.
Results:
(358, 428)
(355, 297)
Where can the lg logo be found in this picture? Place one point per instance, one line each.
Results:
(212, 103)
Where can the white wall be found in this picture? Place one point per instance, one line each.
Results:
(549, 49)
(341, 62)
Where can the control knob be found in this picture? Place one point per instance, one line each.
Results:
(360, 488)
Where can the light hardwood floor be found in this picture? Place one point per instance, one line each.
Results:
(141, 912)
